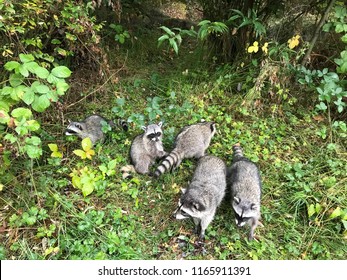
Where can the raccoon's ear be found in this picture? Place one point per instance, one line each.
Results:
(160, 124)
(144, 128)
(237, 200)
(253, 206)
(213, 127)
(183, 190)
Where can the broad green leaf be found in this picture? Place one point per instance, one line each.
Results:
(76, 182)
(62, 87)
(41, 72)
(34, 140)
(61, 72)
(33, 151)
(90, 154)
(87, 144)
(87, 189)
(16, 80)
(52, 96)
(20, 112)
(33, 125)
(4, 117)
(23, 71)
(26, 57)
(80, 153)
(31, 66)
(53, 79)
(18, 92)
(336, 213)
(53, 147)
(311, 210)
(9, 66)
(40, 103)
(10, 137)
(6, 91)
(42, 89)
(112, 164)
(28, 96)
(56, 155)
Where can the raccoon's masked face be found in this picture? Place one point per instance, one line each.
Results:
(74, 128)
(243, 211)
(188, 209)
(153, 132)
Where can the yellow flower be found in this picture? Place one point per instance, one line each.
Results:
(293, 42)
(264, 48)
(254, 48)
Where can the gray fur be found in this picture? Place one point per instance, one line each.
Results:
(147, 147)
(204, 194)
(245, 183)
(191, 142)
(92, 127)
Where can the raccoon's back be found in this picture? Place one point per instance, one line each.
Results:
(210, 169)
(194, 138)
(245, 179)
(210, 177)
(137, 148)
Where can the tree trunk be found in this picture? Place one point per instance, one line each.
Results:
(316, 33)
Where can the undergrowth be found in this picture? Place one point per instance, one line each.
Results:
(304, 206)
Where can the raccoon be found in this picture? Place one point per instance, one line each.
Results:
(92, 127)
(204, 194)
(245, 183)
(147, 147)
(191, 141)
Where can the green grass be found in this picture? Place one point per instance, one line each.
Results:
(132, 219)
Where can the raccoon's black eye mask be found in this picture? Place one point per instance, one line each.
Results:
(240, 218)
(184, 213)
(154, 135)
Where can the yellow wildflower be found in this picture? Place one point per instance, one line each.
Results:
(293, 42)
(264, 48)
(254, 48)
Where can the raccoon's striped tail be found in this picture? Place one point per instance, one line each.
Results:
(121, 123)
(237, 151)
(170, 162)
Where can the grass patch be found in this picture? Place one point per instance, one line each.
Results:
(304, 205)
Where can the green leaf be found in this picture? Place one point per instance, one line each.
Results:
(31, 66)
(80, 153)
(112, 164)
(28, 96)
(17, 92)
(34, 140)
(16, 80)
(87, 144)
(311, 210)
(43, 89)
(4, 117)
(62, 87)
(26, 57)
(33, 125)
(20, 112)
(40, 103)
(9, 66)
(87, 189)
(53, 79)
(23, 71)
(41, 72)
(61, 72)
(336, 213)
(53, 147)
(167, 30)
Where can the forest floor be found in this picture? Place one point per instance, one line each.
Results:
(301, 157)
